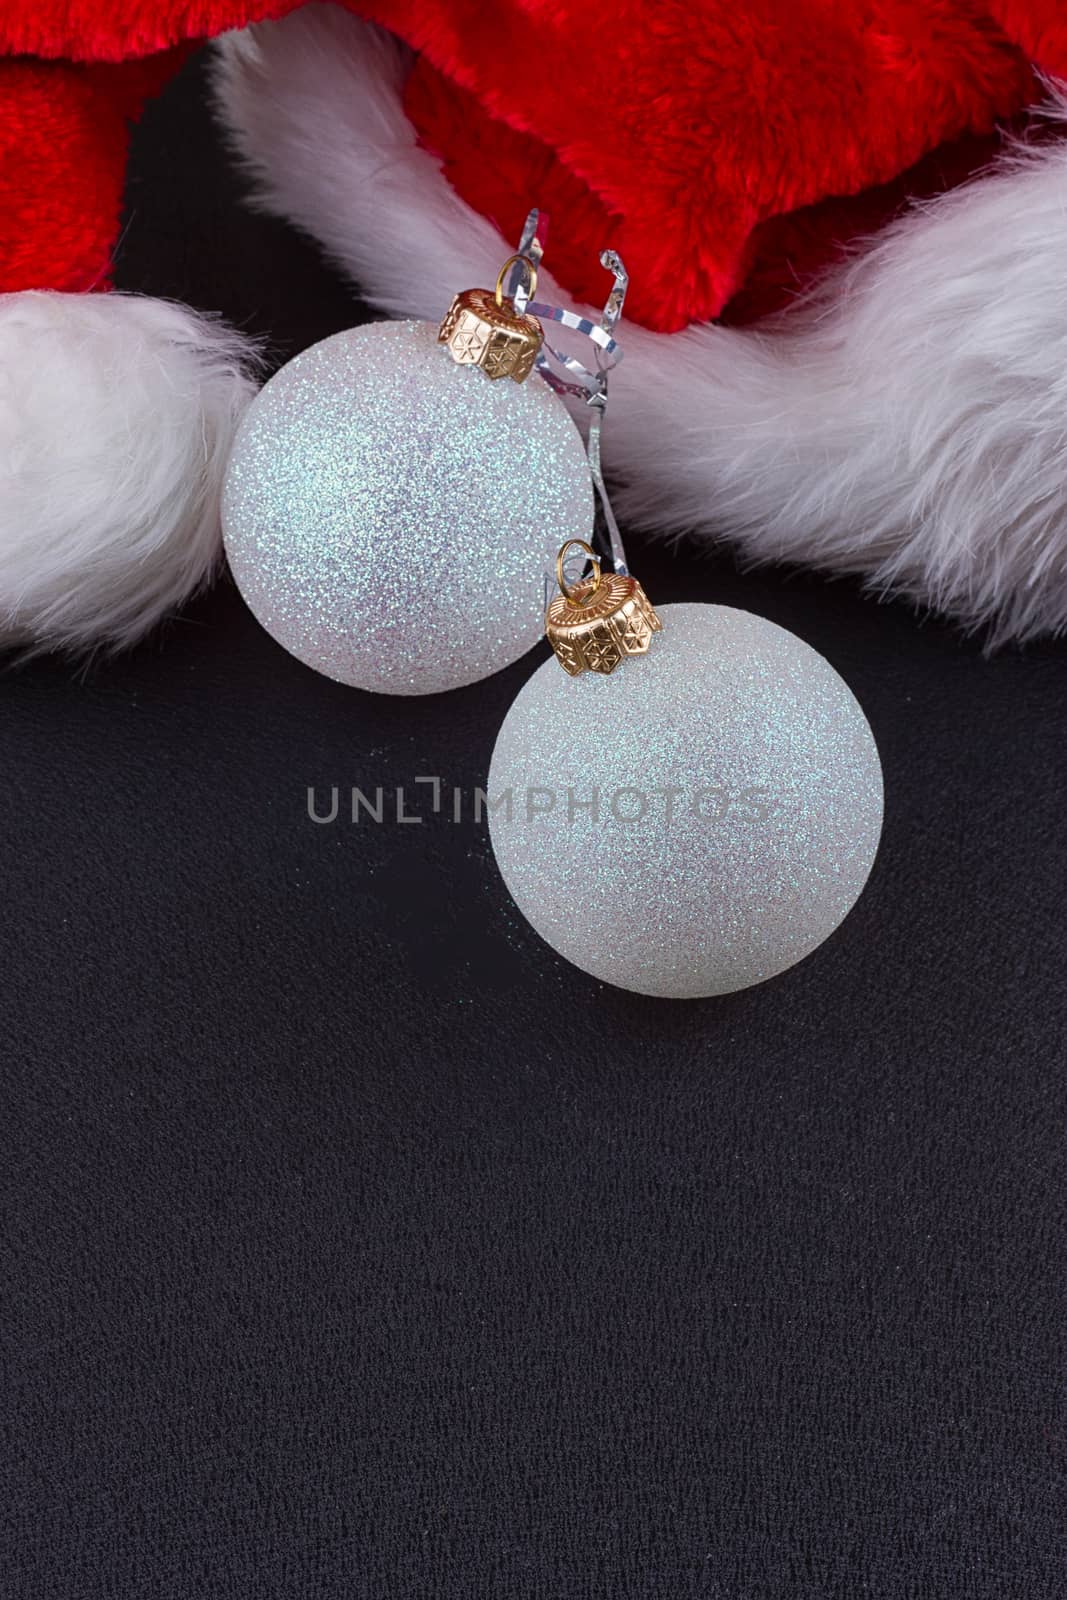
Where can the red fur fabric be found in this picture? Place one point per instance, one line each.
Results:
(63, 132)
(694, 135)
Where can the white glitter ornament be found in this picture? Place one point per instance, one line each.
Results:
(388, 514)
(696, 821)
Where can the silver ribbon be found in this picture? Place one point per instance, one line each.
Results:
(586, 383)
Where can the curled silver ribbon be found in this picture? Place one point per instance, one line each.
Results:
(587, 383)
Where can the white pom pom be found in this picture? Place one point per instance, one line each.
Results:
(116, 418)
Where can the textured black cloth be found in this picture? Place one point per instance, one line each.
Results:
(356, 1248)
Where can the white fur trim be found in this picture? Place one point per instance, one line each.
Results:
(908, 424)
(116, 418)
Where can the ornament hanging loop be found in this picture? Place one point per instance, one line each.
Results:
(488, 329)
(531, 277)
(594, 625)
(581, 594)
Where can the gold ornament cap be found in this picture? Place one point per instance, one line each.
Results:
(595, 624)
(483, 329)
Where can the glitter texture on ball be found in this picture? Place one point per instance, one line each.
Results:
(389, 516)
(698, 821)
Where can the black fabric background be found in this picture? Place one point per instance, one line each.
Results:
(355, 1246)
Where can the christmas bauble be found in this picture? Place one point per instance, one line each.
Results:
(695, 822)
(389, 514)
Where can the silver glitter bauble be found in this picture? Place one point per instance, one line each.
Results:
(699, 820)
(389, 515)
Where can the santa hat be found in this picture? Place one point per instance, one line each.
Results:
(904, 422)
